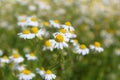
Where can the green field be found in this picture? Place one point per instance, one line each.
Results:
(65, 39)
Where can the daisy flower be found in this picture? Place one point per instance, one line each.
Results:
(46, 24)
(97, 47)
(32, 21)
(67, 26)
(68, 34)
(43, 5)
(72, 34)
(49, 75)
(82, 49)
(15, 51)
(26, 75)
(26, 34)
(16, 58)
(22, 22)
(32, 7)
(26, 49)
(55, 23)
(41, 72)
(4, 59)
(66, 39)
(31, 56)
(74, 42)
(60, 40)
(65, 32)
(36, 32)
(20, 17)
(20, 67)
(49, 44)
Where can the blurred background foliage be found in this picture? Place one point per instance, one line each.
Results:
(93, 20)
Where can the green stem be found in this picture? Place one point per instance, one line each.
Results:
(1, 74)
(61, 60)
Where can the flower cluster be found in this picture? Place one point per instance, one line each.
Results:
(64, 35)
(17, 64)
(23, 21)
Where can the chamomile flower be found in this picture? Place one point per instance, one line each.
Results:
(49, 75)
(26, 49)
(97, 47)
(60, 40)
(82, 49)
(67, 26)
(4, 59)
(43, 5)
(41, 71)
(20, 17)
(46, 24)
(15, 51)
(26, 75)
(32, 7)
(26, 34)
(16, 58)
(72, 34)
(55, 23)
(68, 34)
(74, 42)
(32, 21)
(65, 38)
(22, 22)
(20, 67)
(36, 32)
(45, 33)
(31, 56)
(49, 44)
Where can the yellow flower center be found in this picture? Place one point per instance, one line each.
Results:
(5, 57)
(48, 72)
(33, 19)
(41, 68)
(62, 30)
(68, 23)
(16, 55)
(32, 54)
(75, 40)
(27, 72)
(46, 23)
(56, 21)
(59, 38)
(82, 46)
(22, 20)
(48, 43)
(97, 44)
(26, 32)
(34, 30)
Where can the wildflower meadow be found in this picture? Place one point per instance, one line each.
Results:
(59, 39)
